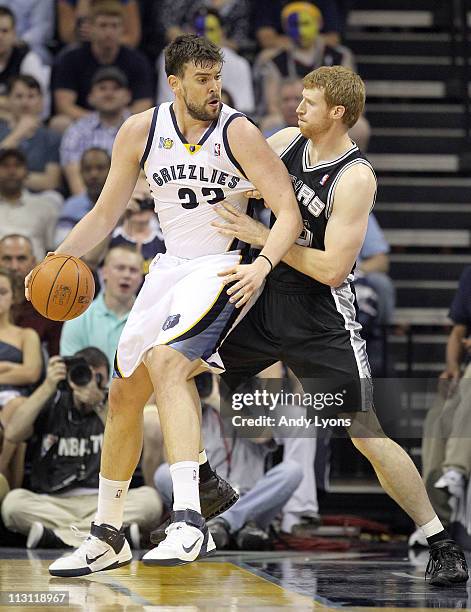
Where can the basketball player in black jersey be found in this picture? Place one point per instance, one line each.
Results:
(305, 316)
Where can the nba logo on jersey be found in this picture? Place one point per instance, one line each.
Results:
(217, 149)
(165, 143)
(171, 321)
(324, 179)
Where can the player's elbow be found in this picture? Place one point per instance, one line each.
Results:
(336, 276)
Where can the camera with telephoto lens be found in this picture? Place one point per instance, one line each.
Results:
(78, 372)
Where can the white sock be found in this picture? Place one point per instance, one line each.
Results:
(432, 527)
(185, 485)
(202, 457)
(111, 498)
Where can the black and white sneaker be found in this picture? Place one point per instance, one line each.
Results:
(105, 548)
(216, 496)
(187, 539)
(43, 537)
(447, 564)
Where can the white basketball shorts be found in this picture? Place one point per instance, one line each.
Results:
(183, 304)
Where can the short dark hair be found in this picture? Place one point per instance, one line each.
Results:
(16, 153)
(191, 48)
(130, 248)
(16, 237)
(95, 150)
(27, 80)
(7, 12)
(94, 357)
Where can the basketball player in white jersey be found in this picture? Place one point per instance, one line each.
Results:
(195, 152)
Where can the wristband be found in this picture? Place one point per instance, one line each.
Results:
(265, 257)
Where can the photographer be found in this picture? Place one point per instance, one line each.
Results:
(64, 421)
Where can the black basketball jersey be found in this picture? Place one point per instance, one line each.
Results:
(314, 187)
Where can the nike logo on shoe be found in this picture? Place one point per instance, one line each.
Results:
(90, 561)
(190, 548)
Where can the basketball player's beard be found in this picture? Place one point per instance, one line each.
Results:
(311, 131)
(200, 113)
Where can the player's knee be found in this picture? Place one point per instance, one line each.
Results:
(166, 363)
(122, 395)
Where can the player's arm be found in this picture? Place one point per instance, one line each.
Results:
(122, 177)
(278, 143)
(280, 140)
(268, 174)
(345, 232)
(100, 221)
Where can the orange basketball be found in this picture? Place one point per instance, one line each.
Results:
(61, 287)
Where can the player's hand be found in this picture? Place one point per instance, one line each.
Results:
(253, 193)
(56, 371)
(247, 278)
(238, 224)
(256, 195)
(28, 278)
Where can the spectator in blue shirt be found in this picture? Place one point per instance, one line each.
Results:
(25, 130)
(373, 263)
(94, 168)
(109, 96)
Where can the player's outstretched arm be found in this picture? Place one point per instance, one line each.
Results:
(101, 220)
(268, 174)
(345, 232)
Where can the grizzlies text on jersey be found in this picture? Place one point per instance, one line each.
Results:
(187, 180)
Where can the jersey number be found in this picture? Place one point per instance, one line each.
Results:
(305, 238)
(189, 199)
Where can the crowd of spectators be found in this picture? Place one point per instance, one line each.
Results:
(71, 72)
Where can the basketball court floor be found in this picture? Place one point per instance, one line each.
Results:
(385, 578)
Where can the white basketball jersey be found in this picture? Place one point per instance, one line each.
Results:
(186, 180)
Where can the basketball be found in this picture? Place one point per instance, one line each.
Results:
(61, 287)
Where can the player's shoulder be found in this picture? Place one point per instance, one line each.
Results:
(237, 125)
(359, 174)
(283, 138)
(135, 131)
(140, 121)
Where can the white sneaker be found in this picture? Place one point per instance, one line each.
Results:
(453, 480)
(418, 539)
(105, 548)
(188, 539)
